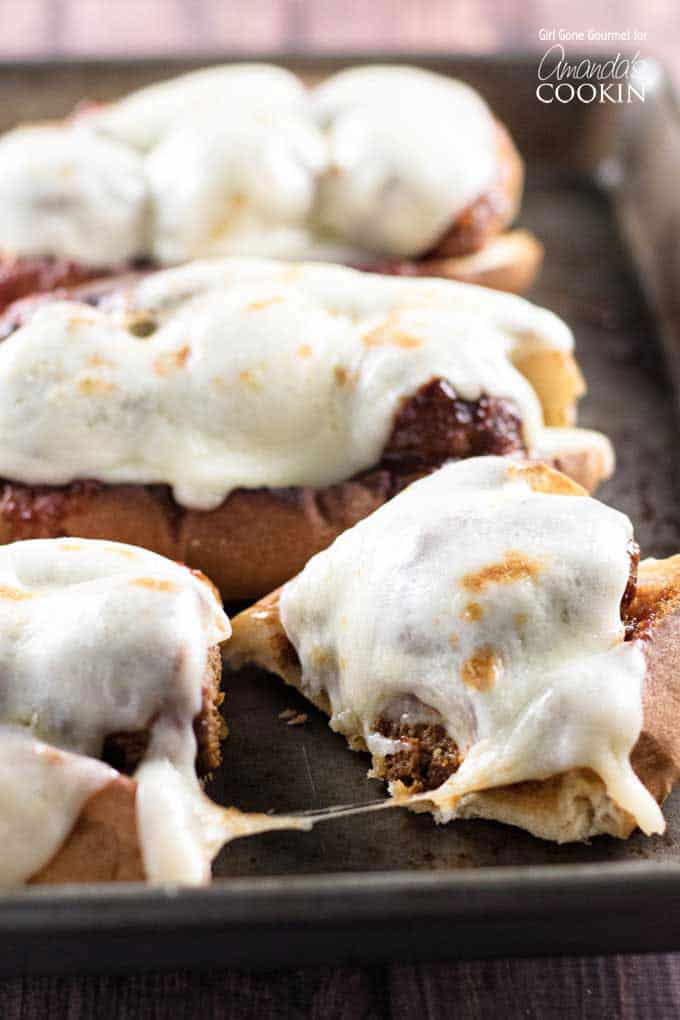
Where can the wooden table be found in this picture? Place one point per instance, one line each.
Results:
(612, 987)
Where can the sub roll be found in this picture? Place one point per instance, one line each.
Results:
(238, 414)
(389, 168)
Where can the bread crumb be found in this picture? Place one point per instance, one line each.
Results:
(292, 717)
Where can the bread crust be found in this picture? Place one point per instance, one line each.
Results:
(103, 845)
(509, 261)
(556, 379)
(253, 542)
(573, 806)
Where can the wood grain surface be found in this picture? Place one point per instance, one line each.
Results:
(595, 988)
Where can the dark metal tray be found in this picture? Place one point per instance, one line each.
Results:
(394, 885)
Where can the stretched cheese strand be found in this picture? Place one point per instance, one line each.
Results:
(482, 600)
(43, 790)
(182, 831)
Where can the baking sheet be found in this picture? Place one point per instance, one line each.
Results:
(394, 884)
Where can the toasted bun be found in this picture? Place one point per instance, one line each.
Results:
(557, 379)
(103, 845)
(570, 807)
(581, 454)
(508, 261)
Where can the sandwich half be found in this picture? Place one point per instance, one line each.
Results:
(109, 712)
(393, 169)
(489, 639)
(238, 414)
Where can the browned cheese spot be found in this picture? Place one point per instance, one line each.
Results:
(481, 669)
(14, 594)
(121, 550)
(542, 478)
(249, 379)
(343, 376)
(258, 306)
(171, 360)
(51, 754)
(80, 320)
(512, 568)
(472, 612)
(97, 361)
(154, 583)
(90, 385)
(388, 334)
(231, 213)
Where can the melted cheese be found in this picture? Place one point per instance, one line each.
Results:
(257, 373)
(243, 159)
(494, 608)
(145, 117)
(42, 792)
(99, 638)
(408, 152)
(245, 186)
(67, 192)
